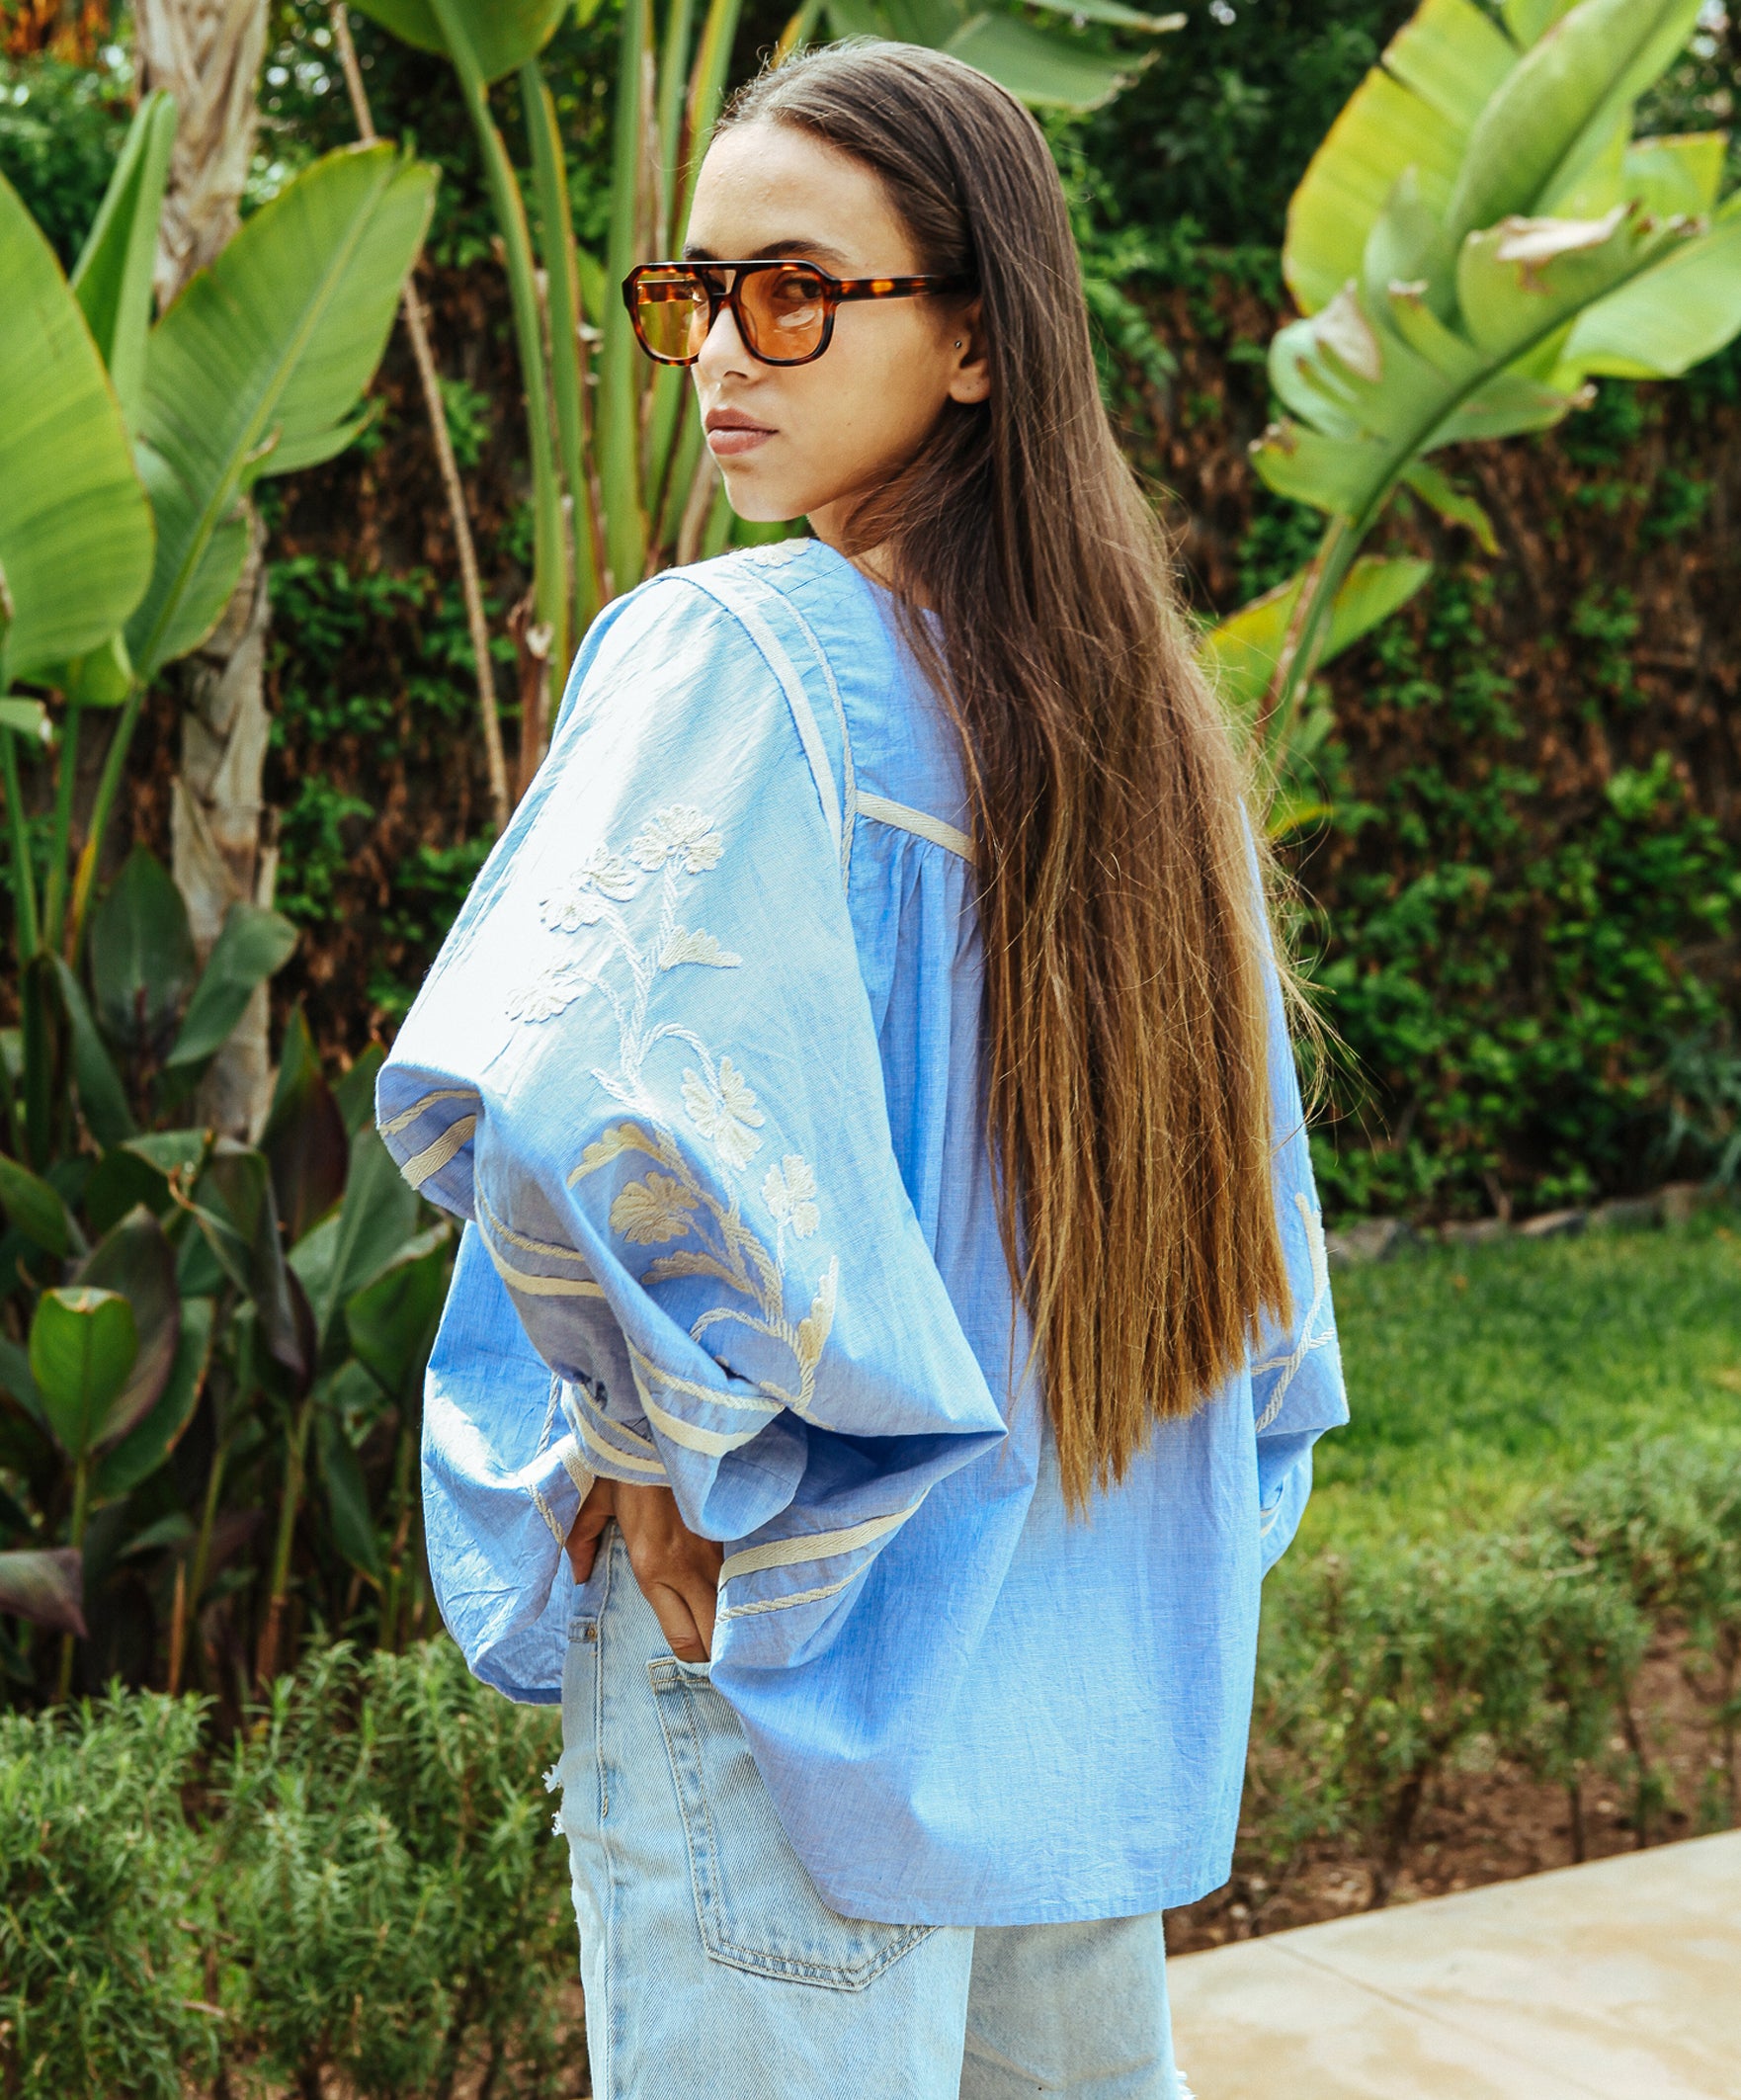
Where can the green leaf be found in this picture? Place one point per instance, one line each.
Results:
(100, 678)
(379, 1215)
(146, 1446)
(1519, 279)
(1665, 320)
(16, 1379)
(101, 1098)
(1385, 129)
(391, 1323)
(306, 1140)
(502, 34)
(142, 960)
(1241, 654)
(347, 1496)
(35, 1209)
(1675, 178)
(253, 943)
(75, 529)
(24, 718)
(1452, 504)
(83, 1343)
(235, 1214)
(46, 1587)
(355, 1090)
(1557, 107)
(1332, 475)
(261, 357)
(113, 275)
(1046, 69)
(135, 1259)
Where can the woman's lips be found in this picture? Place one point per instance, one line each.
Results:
(730, 435)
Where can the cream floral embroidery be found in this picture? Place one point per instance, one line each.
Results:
(701, 1222)
(552, 993)
(726, 1112)
(790, 1192)
(680, 833)
(603, 877)
(653, 1209)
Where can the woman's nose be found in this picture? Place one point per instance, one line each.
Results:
(724, 354)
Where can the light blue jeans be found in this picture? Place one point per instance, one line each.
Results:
(714, 1971)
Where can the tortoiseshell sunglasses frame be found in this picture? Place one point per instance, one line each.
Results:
(836, 292)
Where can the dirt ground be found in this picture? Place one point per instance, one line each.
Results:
(1491, 1825)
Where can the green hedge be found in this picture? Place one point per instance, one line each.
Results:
(362, 1883)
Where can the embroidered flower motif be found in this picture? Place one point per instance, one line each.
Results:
(790, 1192)
(775, 555)
(680, 832)
(687, 946)
(552, 993)
(727, 1115)
(580, 900)
(657, 1208)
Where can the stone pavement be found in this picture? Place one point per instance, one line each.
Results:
(1619, 1981)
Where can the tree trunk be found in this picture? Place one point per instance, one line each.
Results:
(208, 53)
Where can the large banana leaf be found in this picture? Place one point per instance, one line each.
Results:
(1045, 68)
(1242, 653)
(1488, 129)
(503, 34)
(75, 529)
(257, 369)
(113, 275)
(1445, 327)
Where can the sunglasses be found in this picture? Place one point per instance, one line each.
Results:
(784, 311)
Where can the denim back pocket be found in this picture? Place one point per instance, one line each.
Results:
(754, 1902)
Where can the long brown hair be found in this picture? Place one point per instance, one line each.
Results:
(1128, 1091)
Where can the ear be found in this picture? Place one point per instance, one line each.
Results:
(971, 369)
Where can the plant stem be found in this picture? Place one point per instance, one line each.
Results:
(55, 897)
(556, 245)
(295, 1471)
(417, 328)
(29, 932)
(549, 564)
(108, 787)
(75, 1537)
(617, 442)
(188, 1599)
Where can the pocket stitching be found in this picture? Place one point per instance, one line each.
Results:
(830, 1976)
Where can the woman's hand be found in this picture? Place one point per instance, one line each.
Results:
(678, 1571)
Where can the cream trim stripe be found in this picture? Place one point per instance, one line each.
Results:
(710, 1442)
(745, 1403)
(537, 1286)
(882, 810)
(410, 1116)
(779, 1604)
(813, 1545)
(430, 1161)
(797, 699)
(654, 1469)
(577, 1401)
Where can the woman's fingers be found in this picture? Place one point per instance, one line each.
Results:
(677, 1569)
(677, 1622)
(588, 1528)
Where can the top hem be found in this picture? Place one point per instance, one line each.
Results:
(1136, 1900)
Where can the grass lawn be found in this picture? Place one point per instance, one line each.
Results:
(1478, 1376)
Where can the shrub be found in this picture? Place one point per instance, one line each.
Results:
(100, 1982)
(393, 1901)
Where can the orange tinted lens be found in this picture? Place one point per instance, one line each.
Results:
(784, 313)
(671, 306)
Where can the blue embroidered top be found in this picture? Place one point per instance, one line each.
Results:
(698, 1065)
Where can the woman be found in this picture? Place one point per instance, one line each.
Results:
(892, 1267)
